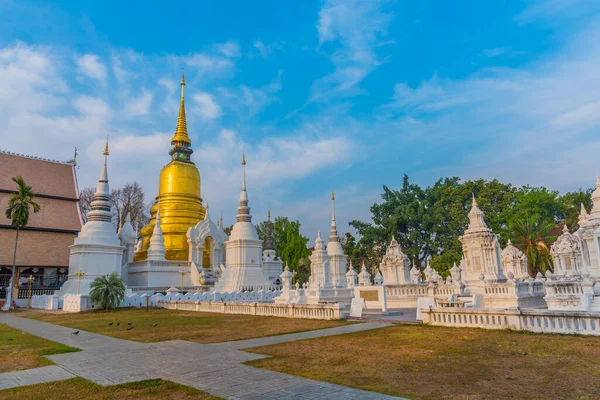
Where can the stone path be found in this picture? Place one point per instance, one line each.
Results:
(213, 368)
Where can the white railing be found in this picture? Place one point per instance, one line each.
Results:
(309, 311)
(163, 289)
(532, 320)
(154, 263)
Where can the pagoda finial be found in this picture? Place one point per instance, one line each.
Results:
(243, 171)
(269, 215)
(181, 137)
(474, 202)
(75, 157)
(105, 147)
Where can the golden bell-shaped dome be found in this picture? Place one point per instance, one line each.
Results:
(179, 194)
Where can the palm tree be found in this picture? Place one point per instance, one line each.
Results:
(107, 291)
(19, 205)
(531, 236)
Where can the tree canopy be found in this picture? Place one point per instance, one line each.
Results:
(428, 221)
(289, 243)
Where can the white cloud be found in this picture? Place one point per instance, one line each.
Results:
(88, 105)
(359, 27)
(250, 101)
(229, 49)
(207, 108)
(91, 66)
(140, 105)
(265, 50)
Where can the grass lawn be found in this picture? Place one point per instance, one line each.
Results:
(79, 388)
(20, 350)
(424, 362)
(183, 325)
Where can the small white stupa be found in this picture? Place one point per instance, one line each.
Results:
(243, 251)
(97, 250)
(156, 250)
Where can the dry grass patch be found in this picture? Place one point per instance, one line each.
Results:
(423, 362)
(183, 325)
(20, 350)
(79, 388)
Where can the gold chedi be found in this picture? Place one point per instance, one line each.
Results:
(179, 195)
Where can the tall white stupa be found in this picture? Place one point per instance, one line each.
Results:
(97, 250)
(243, 251)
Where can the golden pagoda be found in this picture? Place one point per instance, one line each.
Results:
(178, 194)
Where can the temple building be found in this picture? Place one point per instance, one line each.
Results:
(43, 248)
(178, 196)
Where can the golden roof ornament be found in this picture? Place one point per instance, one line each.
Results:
(106, 147)
(243, 159)
(332, 195)
(181, 137)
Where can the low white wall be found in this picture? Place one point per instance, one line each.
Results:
(309, 311)
(46, 302)
(76, 302)
(532, 320)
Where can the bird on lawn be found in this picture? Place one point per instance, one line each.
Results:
(130, 328)
(111, 324)
(129, 323)
(118, 323)
(75, 333)
(154, 324)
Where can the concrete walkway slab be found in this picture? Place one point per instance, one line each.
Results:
(214, 368)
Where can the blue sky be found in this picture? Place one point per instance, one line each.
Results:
(348, 95)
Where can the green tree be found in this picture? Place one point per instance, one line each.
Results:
(289, 243)
(445, 261)
(572, 202)
(107, 291)
(531, 236)
(537, 201)
(20, 203)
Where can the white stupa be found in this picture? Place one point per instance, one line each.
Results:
(97, 250)
(243, 251)
(156, 250)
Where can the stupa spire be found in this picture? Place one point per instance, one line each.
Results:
(181, 137)
(333, 235)
(243, 214)
(101, 206)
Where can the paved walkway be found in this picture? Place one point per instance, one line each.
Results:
(213, 368)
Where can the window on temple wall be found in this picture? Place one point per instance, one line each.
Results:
(567, 262)
(206, 252)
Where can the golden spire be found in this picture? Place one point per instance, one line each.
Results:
(243, 159)
(105, 147)
(269, 214)
(332, 195)
(181, 134)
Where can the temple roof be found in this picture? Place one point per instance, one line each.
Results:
(55, 186)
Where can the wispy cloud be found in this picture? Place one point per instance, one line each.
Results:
(90, 66)
(355, 30)
(207, 108)
(265, 50)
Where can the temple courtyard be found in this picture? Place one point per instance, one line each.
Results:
(235, 357)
